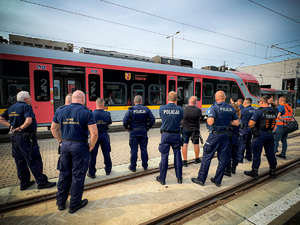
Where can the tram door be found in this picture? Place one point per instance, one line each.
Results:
(41, 91)
(94, 86)
(171, 84)
(198, 91)
(66, 80)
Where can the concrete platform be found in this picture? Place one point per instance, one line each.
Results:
(139, 200)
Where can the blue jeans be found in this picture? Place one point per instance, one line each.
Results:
(280, 135)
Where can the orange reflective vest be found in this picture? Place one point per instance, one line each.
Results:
(287, 116)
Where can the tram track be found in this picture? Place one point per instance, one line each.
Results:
(208, 201)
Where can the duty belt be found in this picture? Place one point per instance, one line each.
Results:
(139, 128)
(84, 141)
(220, 132)
(102, 131)
(244, 126)
(171, 132)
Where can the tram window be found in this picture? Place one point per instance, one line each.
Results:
(115, 93)
(94, 87)
(56, 89)
(224, 87)
(172, 85)
(234, 89)
(138, 89)
(208, 90)
(198, 91)
(157, 94)
(41, 85)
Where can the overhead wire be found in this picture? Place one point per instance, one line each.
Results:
(141, 29)
(274, 11)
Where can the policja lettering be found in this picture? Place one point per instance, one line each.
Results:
(225, 109)
(176, 112)
(141, 111)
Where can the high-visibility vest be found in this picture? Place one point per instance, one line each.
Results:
(287, 116)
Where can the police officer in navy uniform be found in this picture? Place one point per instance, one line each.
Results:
(240, 103)
(171, 115)
(103, 120)
(221, 116)
(138, 120)
(25, 149)
(70, 127)
(245, 132)
(262, 123)
(68, 101)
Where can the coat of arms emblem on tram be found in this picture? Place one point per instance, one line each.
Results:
(127, 76)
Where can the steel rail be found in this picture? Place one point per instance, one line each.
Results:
(214, 200)
(44, 197)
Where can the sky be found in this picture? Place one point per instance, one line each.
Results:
(212, 32)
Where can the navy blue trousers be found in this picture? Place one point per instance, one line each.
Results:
(24, 158)
(73, 164)
(232, 153)
(265, 140)
(245, 144)
(138, 138)
(168, 140)
(214, 143)
(104, 142)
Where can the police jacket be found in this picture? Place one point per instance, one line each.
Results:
(265, 118)
(171, 116)
(103, 119)
(17, 114)
(138, 117)
(246, 114)
(74, 120)
(223, 114)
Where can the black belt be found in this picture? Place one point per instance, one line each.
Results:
(171, 132)
(244, 126)
(84, 141)
(102, 131)
(220, 132)
(139, 128)
(266, 131)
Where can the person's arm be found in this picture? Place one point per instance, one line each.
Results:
(210, 121)
(251, 123)
(26, 124)
(4, 122)
(235, 122)
(55, 130)
(94, 135)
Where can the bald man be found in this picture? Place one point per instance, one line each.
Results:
(191, 129)
(70, 127)
(221, 116)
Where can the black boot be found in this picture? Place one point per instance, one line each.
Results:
(233, 169)
(227, 172)
(272, 173)
(184, 163)
(252, 173)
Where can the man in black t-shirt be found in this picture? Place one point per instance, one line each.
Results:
(191, 129)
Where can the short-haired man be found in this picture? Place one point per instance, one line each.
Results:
(171, 116)
(138, 120)
(70, 128)
(285, 115)
(221, 116)
(245, 132)
(25, 149)
(240, 103)
(191, 129)
(103, 121)
(263, 122)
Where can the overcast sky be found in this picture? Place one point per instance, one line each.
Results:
(238, 32)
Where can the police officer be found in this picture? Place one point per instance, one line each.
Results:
(138, 120)
(70, 127)
(171, 116)
(262, 123)
(103, 120)
(285, 115)
(25, 149)
(221, 115)
(245, 132)
(191, 129)
(240, 103)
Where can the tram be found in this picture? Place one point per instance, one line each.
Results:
(276, 94)
(50, 70)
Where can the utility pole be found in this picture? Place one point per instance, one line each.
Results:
(296, 87)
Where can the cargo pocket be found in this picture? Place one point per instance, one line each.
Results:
(207, 149)
(58, 164)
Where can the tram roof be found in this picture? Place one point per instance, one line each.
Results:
(104, 60)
